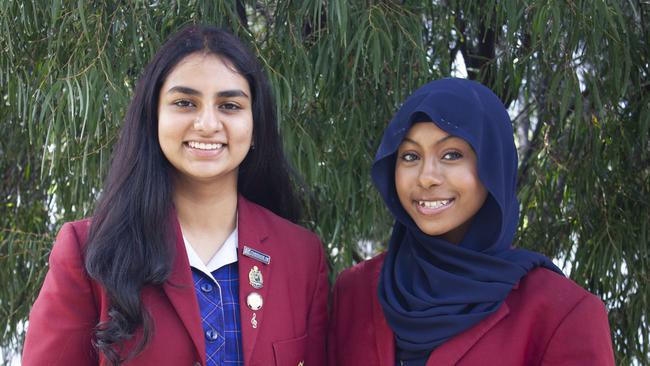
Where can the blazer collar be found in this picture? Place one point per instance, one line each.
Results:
(253, 235)
(449, 353)
(179, 289)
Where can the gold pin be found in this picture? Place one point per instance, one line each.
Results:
(254, 321)
(255, 278)
(254, 301)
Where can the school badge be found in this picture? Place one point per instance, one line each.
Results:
(255, 278)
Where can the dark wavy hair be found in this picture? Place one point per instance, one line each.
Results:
(130, 242)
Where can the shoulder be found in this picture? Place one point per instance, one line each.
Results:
(570, 323)
(77, 229)
(360, 276)
(71, 239)
(541, 282)
(355, 300)
(544, 292)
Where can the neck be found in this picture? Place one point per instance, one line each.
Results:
(207, 213)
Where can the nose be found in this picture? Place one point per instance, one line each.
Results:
(207, 121)
(430, 174)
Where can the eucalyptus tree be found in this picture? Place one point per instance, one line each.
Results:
(574, 75)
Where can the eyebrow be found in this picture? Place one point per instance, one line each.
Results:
(223, 94)
(406, 139)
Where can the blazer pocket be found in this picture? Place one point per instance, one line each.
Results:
(290, 352)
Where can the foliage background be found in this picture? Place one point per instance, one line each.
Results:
(574, 74)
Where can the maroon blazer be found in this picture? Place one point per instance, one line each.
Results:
(291, 325)
(546, 320)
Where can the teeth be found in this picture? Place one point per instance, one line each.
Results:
(433, 204)
(203, 146)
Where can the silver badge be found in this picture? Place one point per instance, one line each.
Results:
(257, 255)
(255, 278)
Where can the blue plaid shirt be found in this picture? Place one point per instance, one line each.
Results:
(219, 305)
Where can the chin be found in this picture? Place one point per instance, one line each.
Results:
(429, 230)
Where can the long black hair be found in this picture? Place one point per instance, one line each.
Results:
(131, 243)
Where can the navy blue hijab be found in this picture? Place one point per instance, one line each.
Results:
(430, 289)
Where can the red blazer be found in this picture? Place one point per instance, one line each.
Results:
(291, 325)
(546, 320)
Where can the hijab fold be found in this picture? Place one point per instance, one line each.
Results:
(431, 290)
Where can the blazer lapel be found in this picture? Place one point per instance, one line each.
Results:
(450, 352)
(383, 334)
(252, 235)
(179, 289)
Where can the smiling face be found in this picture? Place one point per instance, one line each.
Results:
(437, 181)
(205, 119)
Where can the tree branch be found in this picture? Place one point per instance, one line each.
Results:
(241, 13)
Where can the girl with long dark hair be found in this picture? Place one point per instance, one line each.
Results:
(191, 256)
(451, 289)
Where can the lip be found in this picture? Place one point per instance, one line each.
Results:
(200, 153)
(426, 211)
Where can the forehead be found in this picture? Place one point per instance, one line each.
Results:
(206, 71)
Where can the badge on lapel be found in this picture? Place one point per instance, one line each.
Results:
(255, 278)
(257, 255)
(254, 301)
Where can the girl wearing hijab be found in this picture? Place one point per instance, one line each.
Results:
(191, 256)
(451, 290)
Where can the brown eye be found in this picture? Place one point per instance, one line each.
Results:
(409, 157)
(183, 103)
(452, 155)
(230, 106)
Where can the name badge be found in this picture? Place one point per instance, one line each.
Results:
(257, 255)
